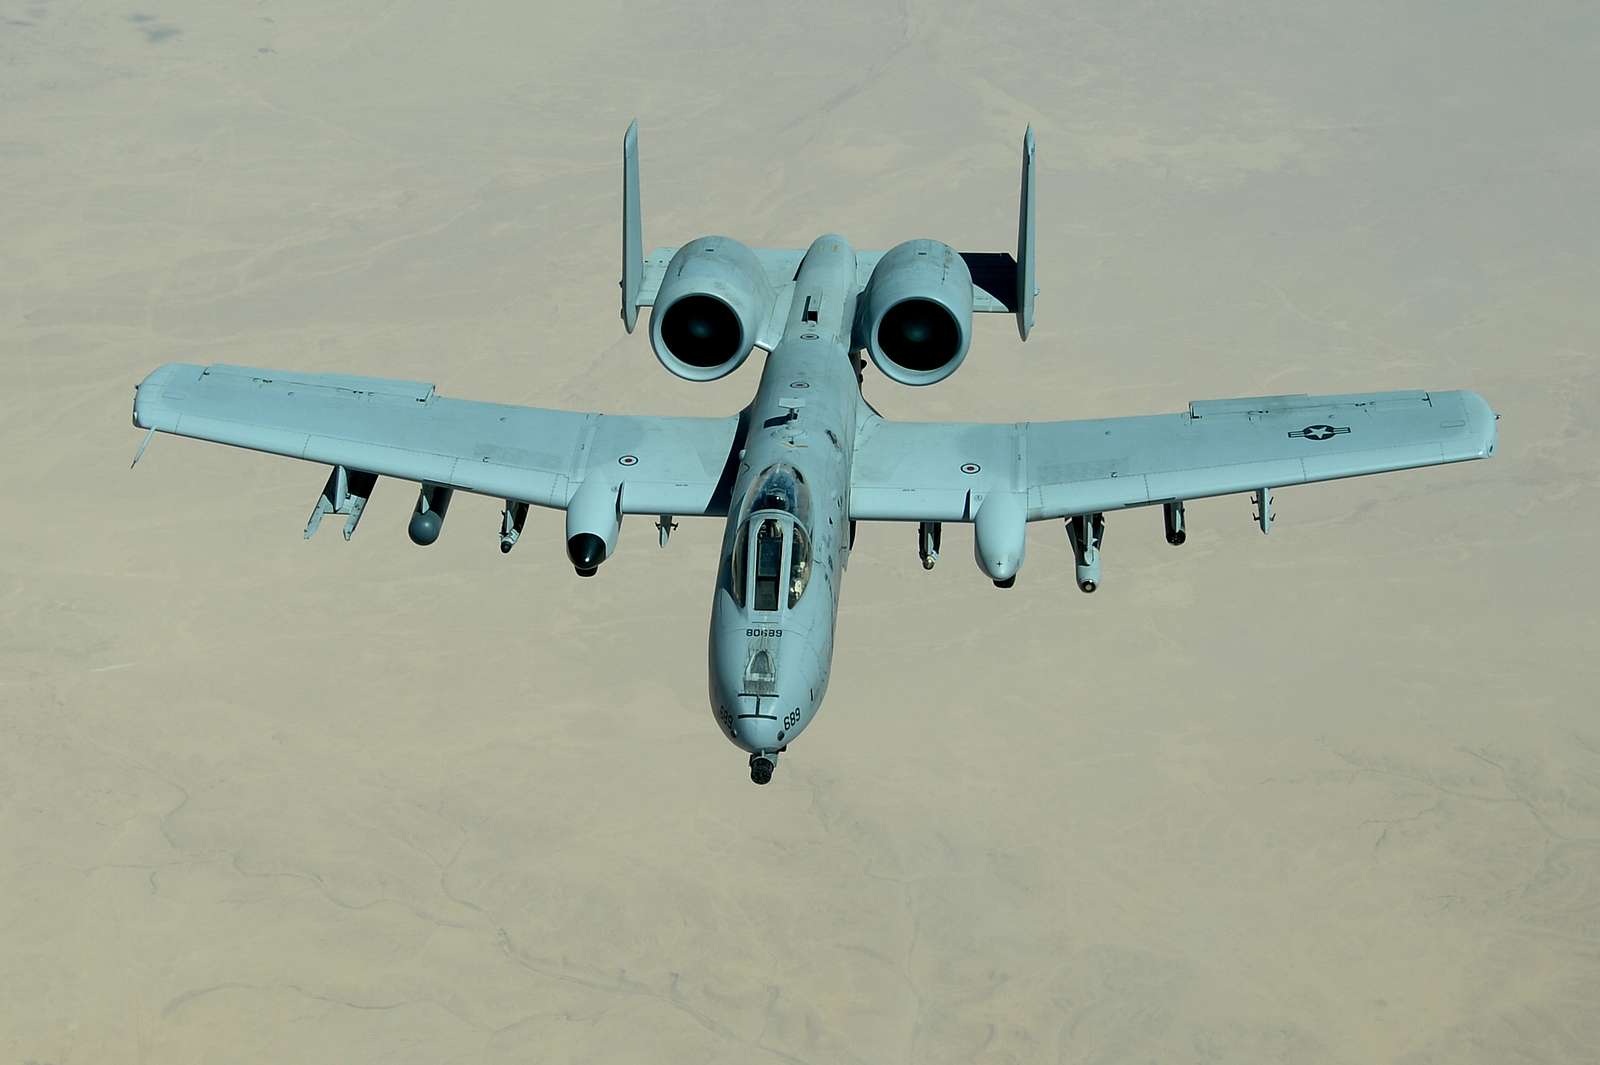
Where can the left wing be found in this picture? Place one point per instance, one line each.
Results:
(403, 429)
(942, 471)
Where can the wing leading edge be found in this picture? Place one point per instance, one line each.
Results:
(940, 471)
(404, 429)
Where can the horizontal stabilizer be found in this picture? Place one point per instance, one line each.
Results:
(1002, 283)
(994, 274)
(994, 281)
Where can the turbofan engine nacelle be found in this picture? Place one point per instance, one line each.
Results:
(917, 312)
(712, 303)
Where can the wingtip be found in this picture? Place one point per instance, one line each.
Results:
(1484, 421)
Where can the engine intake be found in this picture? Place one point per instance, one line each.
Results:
(917, 312)
(713, 300)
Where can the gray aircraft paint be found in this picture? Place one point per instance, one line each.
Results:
(803, 417)
(808, 416)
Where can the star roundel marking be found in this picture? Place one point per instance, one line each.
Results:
(1320, 432)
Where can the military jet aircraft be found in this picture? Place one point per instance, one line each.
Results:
(809, 458)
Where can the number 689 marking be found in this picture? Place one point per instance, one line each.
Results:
(792, 718)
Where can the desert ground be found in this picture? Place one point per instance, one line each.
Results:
(1331, 795)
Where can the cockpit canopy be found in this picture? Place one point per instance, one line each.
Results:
(773, 540)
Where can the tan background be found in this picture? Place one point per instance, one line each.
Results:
(1328, 796)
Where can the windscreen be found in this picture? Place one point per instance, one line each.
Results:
(780, 488)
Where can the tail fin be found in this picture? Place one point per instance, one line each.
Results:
(632, 235)
(1027, 289)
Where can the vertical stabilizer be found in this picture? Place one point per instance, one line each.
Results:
(1027, 288)
(632, 235)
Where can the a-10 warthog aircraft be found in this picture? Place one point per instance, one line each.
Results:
(808, 458)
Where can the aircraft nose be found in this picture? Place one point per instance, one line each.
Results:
(757, 733)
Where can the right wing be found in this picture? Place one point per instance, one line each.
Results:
(941, 471)
(679, 466)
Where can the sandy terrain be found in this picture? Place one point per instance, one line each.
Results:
(1327, 796)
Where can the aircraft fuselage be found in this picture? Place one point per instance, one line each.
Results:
(788, 533)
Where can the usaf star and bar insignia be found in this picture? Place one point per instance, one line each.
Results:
(1320, 432)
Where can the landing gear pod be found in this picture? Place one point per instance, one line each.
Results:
(593, 521)
(1084, 533)
(1001, 536)
(761, 767)
(428, 516)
